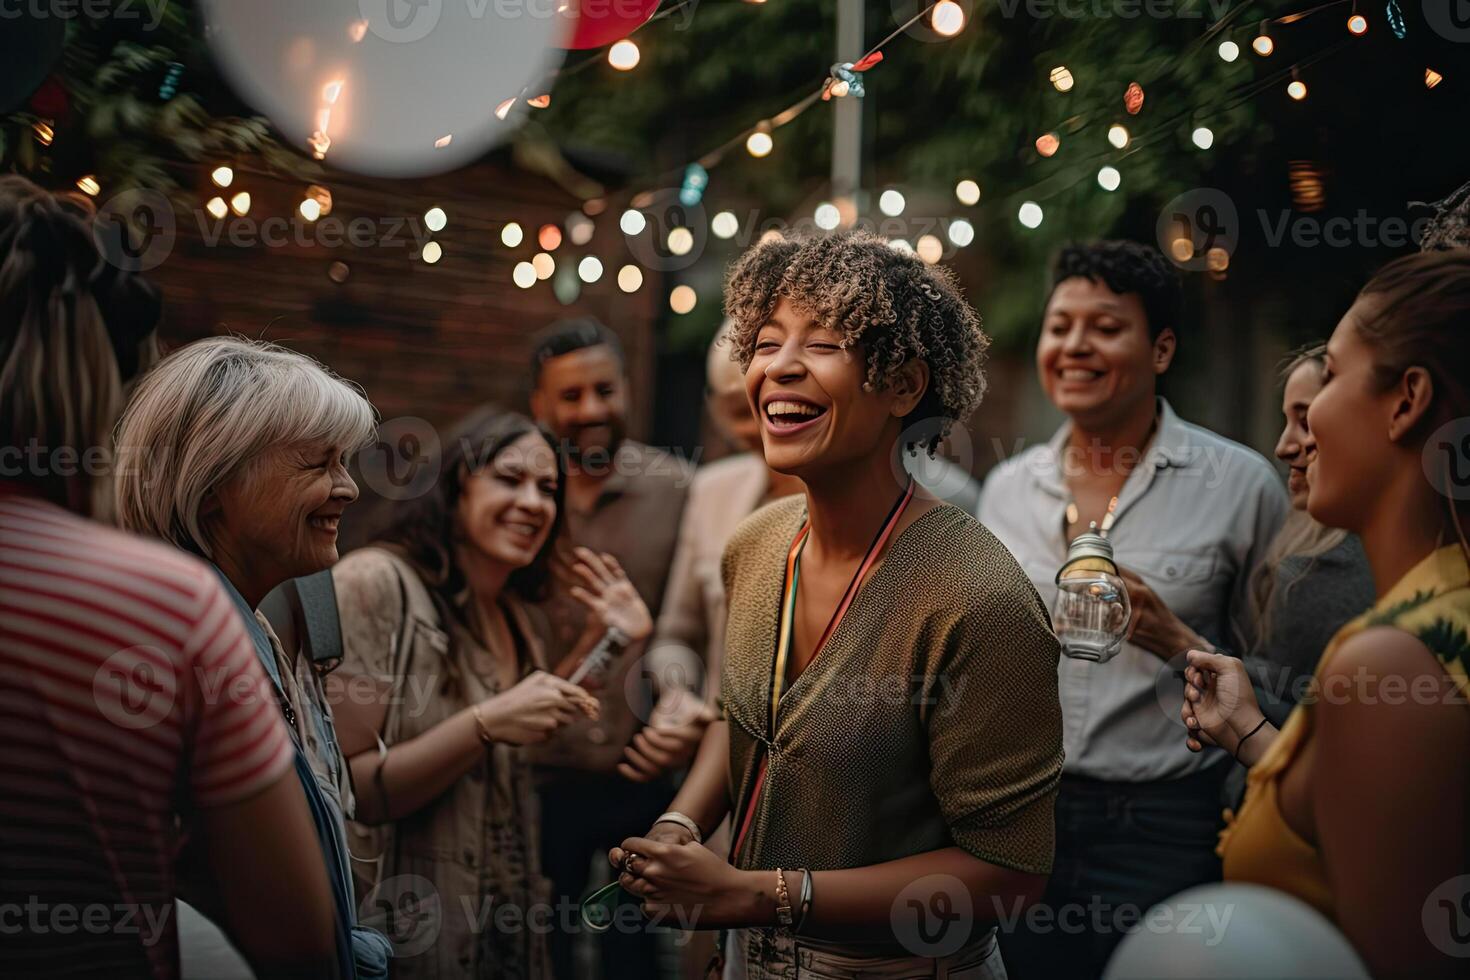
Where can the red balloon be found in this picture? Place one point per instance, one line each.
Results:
(597, 23)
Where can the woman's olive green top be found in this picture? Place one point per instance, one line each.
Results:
(930, 719)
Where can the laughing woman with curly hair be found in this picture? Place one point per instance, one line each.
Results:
(891, 741)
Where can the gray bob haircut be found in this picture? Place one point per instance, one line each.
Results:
(209, 411)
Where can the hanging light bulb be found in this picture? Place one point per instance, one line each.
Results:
(948, 18)
(930, 249)
(1047, 144)
(590, 269)
(681, 241)
(682, 299)
(88, 185)
(240, 203)
(511, 235)
(967, 192)
(632, 222)
(45, 135)
(759, 143)
(1358, 24)
(1061, 77)
(630, 278)
(624, 55)
(1229, 50)
(1109, 179)
(1297, 88)
(1263, 45)
(1203, 137)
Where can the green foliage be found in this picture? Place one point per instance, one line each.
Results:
(117, 126)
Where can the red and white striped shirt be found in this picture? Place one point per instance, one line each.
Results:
(129, 695)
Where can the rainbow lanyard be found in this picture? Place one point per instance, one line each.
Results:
(787, 626)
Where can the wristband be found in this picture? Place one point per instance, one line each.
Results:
(675, 817)
(485, 736)
(1248, 734)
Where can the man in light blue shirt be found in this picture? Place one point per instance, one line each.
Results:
(1189, 513)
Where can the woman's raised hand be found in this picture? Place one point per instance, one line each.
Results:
(535, 708)
(609, 596)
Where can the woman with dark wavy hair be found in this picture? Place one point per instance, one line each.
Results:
(891, 742)
(443, 682)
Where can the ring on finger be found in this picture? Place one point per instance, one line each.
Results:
(628, 863)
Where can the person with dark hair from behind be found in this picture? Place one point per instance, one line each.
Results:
(626, 499)
(1189, 514)
(132, 708)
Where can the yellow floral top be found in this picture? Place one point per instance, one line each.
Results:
(1432, 603)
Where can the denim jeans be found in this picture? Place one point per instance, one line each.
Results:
(1121, 848)
(766, 954)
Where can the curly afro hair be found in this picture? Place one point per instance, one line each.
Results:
(1127, 267)
(887, 302)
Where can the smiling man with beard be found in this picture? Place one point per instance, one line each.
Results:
(626, 499)
(1189, 514)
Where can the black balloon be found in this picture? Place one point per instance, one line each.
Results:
(29, 47)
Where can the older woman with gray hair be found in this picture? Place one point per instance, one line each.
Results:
(236, 451)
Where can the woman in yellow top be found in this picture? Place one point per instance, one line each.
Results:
(1360, 804)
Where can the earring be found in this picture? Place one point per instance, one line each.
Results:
(868, 387)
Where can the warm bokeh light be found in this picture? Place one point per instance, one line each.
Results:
(217, 207)
(590, 269)
(309, 209)
(549, 237)
(1047, 144)
(681, 241)
(240, 203)
(88, 185)
(624, 55)
(1109, 179)
(632, 222)
(1432, 78)
(725, 225)
(1203, 137)
(1118, 135)
(948, 18)
(967, 192)
(222, 176)
(1030, 214)
(930, 248)
(891, 203)
(433, 252)
(1358, 24)
(1229, 50)
(435, 219)
(1061, 77)
(682, 299)
(1297, 89)
(630, 278)
(961, 232)
(1263, 45)
(759, 143)
(524, 275)
(827, 216)
(544, 265)
(512, 235)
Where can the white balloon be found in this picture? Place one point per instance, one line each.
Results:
(1231, 930)
(392, 88)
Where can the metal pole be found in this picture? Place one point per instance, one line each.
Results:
(847, 128)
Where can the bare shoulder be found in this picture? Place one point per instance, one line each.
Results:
(1385, 684)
